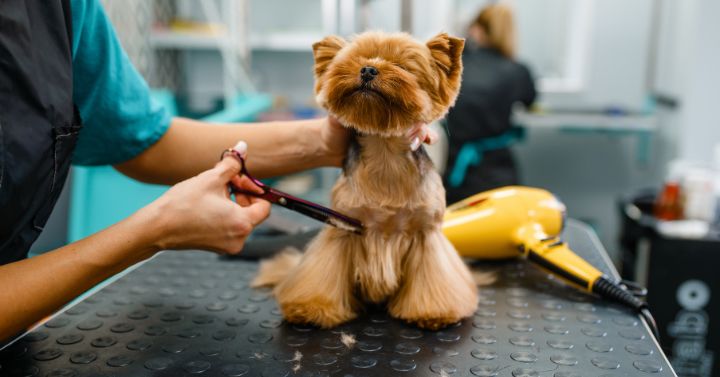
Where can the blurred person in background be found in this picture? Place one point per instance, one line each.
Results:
(480, 133)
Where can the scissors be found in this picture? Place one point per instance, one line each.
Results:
(305, 207)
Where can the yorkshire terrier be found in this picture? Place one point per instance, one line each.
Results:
(380, 85)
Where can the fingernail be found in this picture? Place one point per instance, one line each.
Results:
(415, 143)
(241, 147)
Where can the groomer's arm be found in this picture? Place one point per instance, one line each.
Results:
(196, 213)
(278, 148)
(35, 287)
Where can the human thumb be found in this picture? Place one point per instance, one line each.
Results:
(230, 165)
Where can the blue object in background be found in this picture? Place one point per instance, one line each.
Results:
(471, 153)
(102, 196)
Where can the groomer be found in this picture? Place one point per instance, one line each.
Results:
(68, 93)
(480, 130)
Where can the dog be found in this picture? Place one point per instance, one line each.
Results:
(379, 85)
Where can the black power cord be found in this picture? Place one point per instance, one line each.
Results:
(613, 291)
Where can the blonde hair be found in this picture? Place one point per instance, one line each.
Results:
(499, 25)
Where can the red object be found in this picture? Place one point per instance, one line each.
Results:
(668, 205)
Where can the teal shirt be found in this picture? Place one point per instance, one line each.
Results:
(120, 120)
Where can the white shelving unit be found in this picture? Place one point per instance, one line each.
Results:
(169, 39)
(285, 41)
(603, 122)
(283, 26)
(220, 45)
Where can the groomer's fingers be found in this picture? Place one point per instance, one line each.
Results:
(230, 166)
(258, 211)
(244, 183)
(421, 133)
(431, 137)
(334, 123)
(413, 136)
(227, 168)
(242, 199)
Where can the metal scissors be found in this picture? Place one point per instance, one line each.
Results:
(305, 207)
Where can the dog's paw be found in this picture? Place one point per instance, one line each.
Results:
(431, 320)
(435, 312)
(438, 323)
(318, 312)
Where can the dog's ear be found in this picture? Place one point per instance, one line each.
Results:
(324, 52)
(446, 51)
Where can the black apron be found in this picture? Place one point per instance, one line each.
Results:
(39, 124)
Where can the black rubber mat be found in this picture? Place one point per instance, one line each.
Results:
(192, 313)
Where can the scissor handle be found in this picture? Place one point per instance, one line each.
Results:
(291, 202)
(272, 196)
(243, 170)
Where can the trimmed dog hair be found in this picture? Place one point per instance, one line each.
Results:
(381, 85)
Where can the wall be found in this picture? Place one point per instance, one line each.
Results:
(688, 57)
(699, 94)
(617, 60)
(591, 171)
(285, 73)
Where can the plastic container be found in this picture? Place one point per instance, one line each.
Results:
(698, 190)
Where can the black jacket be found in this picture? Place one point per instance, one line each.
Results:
(491, 85)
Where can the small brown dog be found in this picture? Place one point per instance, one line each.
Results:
(380, 85)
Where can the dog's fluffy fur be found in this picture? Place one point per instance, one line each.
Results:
(402, 258)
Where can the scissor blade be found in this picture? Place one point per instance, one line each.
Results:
(307, 208)
(325, 215)
(343, 224)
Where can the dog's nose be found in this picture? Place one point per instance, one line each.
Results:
(368, 73)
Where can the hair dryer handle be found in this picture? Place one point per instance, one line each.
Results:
(555, 256)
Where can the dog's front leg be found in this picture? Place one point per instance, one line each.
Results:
(319, 290)
(437, 289)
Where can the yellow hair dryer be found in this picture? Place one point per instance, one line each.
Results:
(509, 221)
(516, 220)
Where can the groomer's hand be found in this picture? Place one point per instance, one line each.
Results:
(334, 138)
(199, 214)
(421, 133)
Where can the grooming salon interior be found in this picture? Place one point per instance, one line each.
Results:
(575, 143)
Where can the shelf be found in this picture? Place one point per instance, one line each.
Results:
(587, 121)
(187, 40)
(284, 41)
(639, 126)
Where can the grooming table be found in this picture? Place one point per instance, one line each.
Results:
(192, 313)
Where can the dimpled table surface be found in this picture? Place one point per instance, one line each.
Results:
(192, 313)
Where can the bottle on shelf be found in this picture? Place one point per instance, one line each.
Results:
(668, 205)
